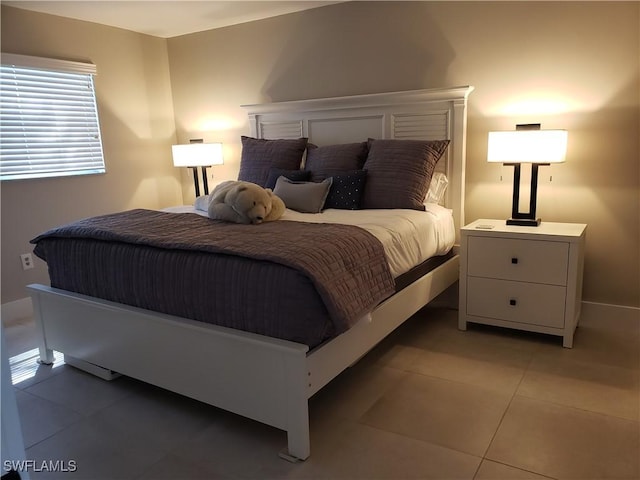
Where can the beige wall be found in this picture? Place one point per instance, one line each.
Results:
(566, 65)
(136, 115)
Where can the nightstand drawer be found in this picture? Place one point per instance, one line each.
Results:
(522, 260)
(528, 303)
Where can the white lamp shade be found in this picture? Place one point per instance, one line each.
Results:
(527, 146)
(197, 155)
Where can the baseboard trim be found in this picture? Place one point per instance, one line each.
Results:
(611, 305)
(12, 311)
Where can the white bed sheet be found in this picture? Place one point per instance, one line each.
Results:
(409, 237)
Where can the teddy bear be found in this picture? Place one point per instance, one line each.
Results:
(277, 207)
(244, 202)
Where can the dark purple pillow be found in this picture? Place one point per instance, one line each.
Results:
(346, 190)
(294, 175)
(326, 161)
(399, 172)
(259, 156)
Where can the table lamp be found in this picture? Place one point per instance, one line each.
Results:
(194, 155)
(527, 144)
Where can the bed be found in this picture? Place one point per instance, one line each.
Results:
(263, 376)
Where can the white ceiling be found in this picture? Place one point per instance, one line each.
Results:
(166, 18)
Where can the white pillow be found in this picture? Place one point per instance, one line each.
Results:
(437, 188)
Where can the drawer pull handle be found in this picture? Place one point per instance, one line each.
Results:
(513, 302)
(514, 260)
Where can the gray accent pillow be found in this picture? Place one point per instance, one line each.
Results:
(305, 197)
(259, 156)
(399, 172)
(327, 161)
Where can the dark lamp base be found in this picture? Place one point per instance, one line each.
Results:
(524, 222)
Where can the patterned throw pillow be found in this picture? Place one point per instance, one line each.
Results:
(346, 190)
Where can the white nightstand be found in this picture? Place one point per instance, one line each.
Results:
(528, 278)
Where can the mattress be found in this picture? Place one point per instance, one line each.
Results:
(255, 295)
(409, 237)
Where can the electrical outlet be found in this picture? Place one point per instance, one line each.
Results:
(27, 261)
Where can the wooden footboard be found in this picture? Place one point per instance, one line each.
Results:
(262, 378)
(258, 377)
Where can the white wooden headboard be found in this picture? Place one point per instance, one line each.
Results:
(434, 114)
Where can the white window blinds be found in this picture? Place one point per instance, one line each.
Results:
(48, 119)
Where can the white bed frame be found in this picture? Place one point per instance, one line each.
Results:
(262, 378)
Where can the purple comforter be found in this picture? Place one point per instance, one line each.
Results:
(298, 281)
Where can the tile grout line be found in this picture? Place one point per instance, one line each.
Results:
(578, 409)
(80, 418)
(504, 414)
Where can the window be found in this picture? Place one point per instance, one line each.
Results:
(48, 119)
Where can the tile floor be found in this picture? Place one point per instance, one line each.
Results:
(430, 402)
